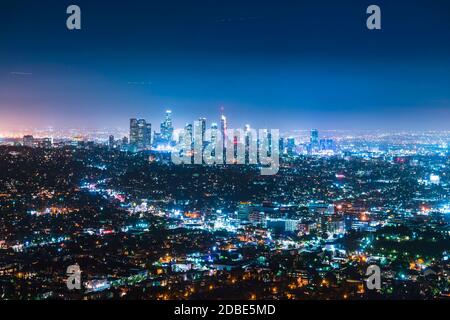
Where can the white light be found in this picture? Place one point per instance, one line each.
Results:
(435, 179)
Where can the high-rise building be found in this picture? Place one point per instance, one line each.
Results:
(269, 137)
(333, 225)
(111, 142)
(314, 137)
(283, 224)
(327, 144)
(140, 133)
(281, 145)
(189, 134)
(157, 139)
(167, 127)
(202, 122)
(257, 217)
(28, 141)
(290, 145)
(46, 143)
(247, 143)
(244, 210)
(223, 132)
(214, 132)
(223, 125)
(134, 131)
(214, 137)
(142, 128)
(188, 128)
(148, 136)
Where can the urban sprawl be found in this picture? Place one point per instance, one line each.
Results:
(141, 227)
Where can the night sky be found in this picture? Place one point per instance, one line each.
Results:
(275, 64)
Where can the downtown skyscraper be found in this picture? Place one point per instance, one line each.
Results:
(140, 133)
(167, 127)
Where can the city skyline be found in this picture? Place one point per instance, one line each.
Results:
(163, 128)
(225, 156)
(140, 226)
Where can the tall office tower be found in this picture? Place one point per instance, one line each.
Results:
(142, 132)
(214, 135)
(124, 140)
(223, 132)
(47, 143)
(111, 141)
(327, 144)
(203, 127)
(281, 145)
(188, 128)
(167, 127)
(189, 134)
(247, 137)
(28, 141)
(269, 137)
(214, 132)
(148, 136)
(290, 145)
(223, 125)
(134, 132)
(157, 139)
(314, 137)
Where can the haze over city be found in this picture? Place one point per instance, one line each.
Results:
(294, 65)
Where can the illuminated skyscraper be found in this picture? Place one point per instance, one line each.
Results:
(214, 131)
(314, 137)
(47, 143)
(247, 142)
(167, 127)
(111, 141)
(314, 145)
(214, 135)
(188, 128)
(142, 127)
(290, 145)
(28, 141)
(189, 133)
(223, 125)
(281, 145)
(133, 131)
(148, 136)
(203, 127)
(140, 133)
(327, 144)
(223, 132)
